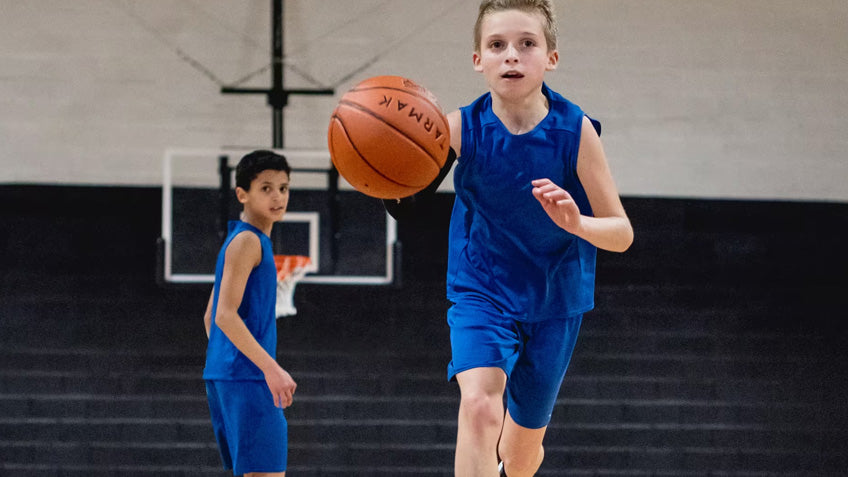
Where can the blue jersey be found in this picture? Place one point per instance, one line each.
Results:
(503, 247)
(223, 360)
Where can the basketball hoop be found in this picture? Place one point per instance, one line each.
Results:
(290, 269)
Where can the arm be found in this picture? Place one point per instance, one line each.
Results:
(610, 228)
(207, 317)
(243, 254)
(404, 208)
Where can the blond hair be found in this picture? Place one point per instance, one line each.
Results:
(542, 7)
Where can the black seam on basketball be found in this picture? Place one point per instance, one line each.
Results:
(371, 113)
(361, 156)
(394, 88)
(402, 90)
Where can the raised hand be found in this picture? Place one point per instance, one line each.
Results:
(558, 204)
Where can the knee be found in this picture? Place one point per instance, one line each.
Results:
(522, 463)
(483, 411)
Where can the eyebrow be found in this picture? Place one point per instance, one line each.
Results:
(521, 34)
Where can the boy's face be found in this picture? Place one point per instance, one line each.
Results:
(268, 196)
(513, 52)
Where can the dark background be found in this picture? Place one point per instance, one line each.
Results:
(716, 348)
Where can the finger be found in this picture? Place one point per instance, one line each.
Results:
(545, 184)
(556, 196)
(544, 191)
(553, 189)
(541, 200)
(540, 196)
(561, 193)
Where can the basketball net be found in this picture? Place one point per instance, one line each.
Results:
(290, 269)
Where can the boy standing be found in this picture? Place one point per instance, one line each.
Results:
(534, 200)
(246, 388)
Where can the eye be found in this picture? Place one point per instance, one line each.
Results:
(284, 189)
(528, 43)
(496, 45)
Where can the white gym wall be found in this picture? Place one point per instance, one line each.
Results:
(705, 99)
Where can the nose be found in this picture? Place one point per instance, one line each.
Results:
(511, 53)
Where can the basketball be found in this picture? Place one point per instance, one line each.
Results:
(388, 137)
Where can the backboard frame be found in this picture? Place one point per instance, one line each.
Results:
(168, 276)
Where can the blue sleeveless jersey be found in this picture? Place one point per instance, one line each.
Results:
(223, 360)
(503, 247)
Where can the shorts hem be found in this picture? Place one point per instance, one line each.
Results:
(532, 427)
(262, 470)
(452, 374)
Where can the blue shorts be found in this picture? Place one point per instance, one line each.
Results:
(534, 356)
(252, 434)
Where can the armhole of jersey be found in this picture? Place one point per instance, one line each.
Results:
(595, 123)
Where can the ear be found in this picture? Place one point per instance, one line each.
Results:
(241, 195)
(475, 58)
(553, 60)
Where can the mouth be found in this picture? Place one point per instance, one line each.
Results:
(512, 75)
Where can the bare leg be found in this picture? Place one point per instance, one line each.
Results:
(521, 449)
(265, 474)
(481, 418)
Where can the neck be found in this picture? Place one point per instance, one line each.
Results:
(263, 225)
(522, 115)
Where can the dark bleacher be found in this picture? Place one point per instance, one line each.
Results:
(717, 348)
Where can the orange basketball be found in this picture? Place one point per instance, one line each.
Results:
(388, 137)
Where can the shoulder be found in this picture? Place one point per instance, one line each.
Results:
(477, 110)
(469, 117)
(566, 109)
(244, 248)
(455, 124)
(573, 115)
(591, 158)
(590, 131)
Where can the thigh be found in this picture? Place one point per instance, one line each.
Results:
(216, 413)
(536, 378)
(482, 382)
(257, 431)
(481, 338)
